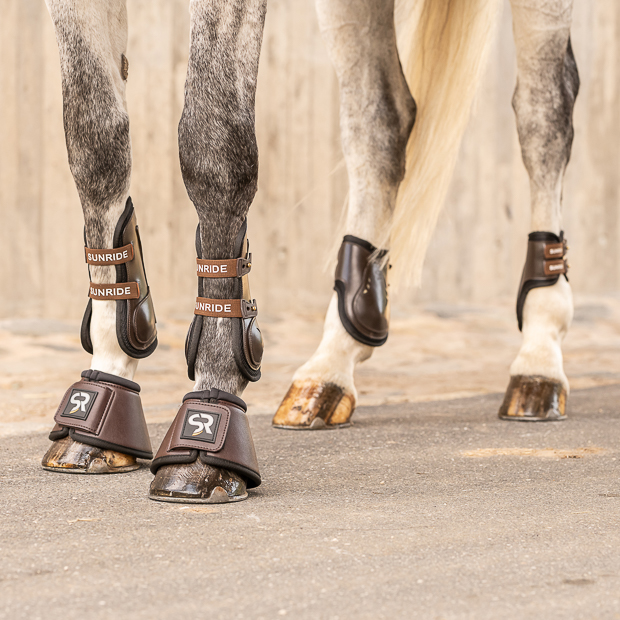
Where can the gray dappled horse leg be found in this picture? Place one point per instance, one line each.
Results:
(376, 117)
(219, 162)
(547, 86)
(92, 38)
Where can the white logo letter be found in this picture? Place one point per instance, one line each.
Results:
(80, 400)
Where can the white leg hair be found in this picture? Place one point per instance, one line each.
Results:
(361, 39)
(92, 40)
(546, 89)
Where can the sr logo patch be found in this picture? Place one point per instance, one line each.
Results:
(79, 405)
(201, 425)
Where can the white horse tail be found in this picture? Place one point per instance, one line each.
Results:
(443, 46)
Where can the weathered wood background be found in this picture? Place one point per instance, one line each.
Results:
(478, 247)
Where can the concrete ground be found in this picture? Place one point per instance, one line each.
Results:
(427, 507)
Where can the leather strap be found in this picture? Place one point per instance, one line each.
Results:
(213, 426)
(228, 268)
(125, 290)
(544, 264)
(105, 411)
(226, 308)
(117, 256)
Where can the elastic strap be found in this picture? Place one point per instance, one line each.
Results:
(123, 290)
(226, 308)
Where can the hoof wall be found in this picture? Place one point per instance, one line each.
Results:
(73, 457)
(534, 399)
(197, 483)
(314, 406)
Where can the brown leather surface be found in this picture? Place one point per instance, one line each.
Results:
(117, 256)
(229, 438)
(362, 290)
(102, 412)
(141, 322)
(226, 308)
(227, 268)
(538, 266)
(544, 264)
(126, 290)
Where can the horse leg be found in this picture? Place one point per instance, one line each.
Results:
(547, 86)
(92, 38)
(377, 115)
(219, 163)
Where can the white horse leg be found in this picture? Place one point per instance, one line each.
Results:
(376, 117)
(546, 90)
(92, 38)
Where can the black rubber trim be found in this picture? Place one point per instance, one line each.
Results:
(106, 445)
(251, 478)
(215, 395)
(192, 340)
(87, 344)
(173, 459)
(98, 375)
(339, 287)
(361, 242)
(60, 434)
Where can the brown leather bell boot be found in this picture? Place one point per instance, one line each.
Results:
(101, 418)
(211, 430)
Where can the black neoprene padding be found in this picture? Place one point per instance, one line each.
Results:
(215, 395)
(98, 375)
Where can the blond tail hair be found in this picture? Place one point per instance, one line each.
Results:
(443, 46)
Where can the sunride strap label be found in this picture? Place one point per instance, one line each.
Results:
(124, 290)
(117, 256)
(228, 268)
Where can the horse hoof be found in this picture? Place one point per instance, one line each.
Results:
(73, 457)
(197, 483)
(309, 405)
(534, 399)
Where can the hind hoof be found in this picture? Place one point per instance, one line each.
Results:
(73, 457)
(309, 405)
(534, 399)
(197, 483)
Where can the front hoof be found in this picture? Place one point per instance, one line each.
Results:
(309, 405)
(73, 457)
(197, 483)
(534, 399)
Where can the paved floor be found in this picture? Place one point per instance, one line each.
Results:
(423, 510)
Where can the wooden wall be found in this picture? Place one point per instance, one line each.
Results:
(479, 246)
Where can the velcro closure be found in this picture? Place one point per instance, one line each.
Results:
(228, 268)
(124, 290)
(226, 308)
(117, 256)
